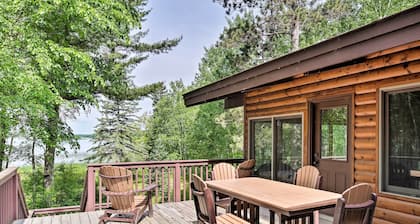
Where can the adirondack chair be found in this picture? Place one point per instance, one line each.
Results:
(357, 205)
(127, 205)
(306, 176)
(204, 205)
(223, 171)
(246, 168)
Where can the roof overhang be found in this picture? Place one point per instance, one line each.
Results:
(392, 31)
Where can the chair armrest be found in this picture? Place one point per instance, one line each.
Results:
(360, 205)
(150, 187)
(111, 193)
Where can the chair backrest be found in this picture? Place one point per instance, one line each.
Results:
(308, 176)
(223, 171)
(117, 179)
(246, 168)
(357, 205)
(203, 200)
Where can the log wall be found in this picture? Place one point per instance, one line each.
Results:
(362, 79)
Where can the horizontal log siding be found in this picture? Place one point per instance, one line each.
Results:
(392, 67)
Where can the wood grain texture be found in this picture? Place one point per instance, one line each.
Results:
(280, 197)
(392, 67)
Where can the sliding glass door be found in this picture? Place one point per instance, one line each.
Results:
(276, 145)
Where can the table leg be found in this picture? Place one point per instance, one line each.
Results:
(311, 218)
(246, 206)
(254, 214)
(272, 217)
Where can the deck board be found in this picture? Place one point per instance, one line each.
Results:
(168, 213)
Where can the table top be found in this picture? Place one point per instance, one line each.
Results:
(415, 173)
(277, 196)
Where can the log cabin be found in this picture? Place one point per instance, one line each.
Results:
(349, 105)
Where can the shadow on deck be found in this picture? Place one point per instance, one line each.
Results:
(167, 213)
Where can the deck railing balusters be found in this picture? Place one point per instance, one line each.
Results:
(137, 179)
(173, 179)
(184, 186)
(162, 184)
(100, 193)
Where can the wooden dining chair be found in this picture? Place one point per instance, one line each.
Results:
(127, 204)
(204, 205)
(246, 168)
(223, 171)
(357, 205)
(306, 176)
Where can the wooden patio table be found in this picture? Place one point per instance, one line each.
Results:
(282, 198)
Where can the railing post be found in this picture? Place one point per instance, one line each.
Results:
(91, 190)
(177, 182)
(16, 199)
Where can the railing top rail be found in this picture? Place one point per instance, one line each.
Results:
(169, 162)
(6, 174)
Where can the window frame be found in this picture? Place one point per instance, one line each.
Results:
(383, 124)
(273, 119)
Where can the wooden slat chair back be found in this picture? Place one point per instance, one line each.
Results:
(246, 168)
(357, 205)
(308, 176)
(119, 180)
(118, 186)
(223, 171)
(204, 203)
(197, 188)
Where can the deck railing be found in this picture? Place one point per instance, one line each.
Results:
(172, 178)
(12, 201)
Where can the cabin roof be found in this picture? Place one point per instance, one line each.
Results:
(399, 29)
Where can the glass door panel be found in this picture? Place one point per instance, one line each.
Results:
(262, 149)
(289, 147)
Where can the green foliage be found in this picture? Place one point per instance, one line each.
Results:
(166, 131)
(61, 55)
(65, 191)
(113, 139)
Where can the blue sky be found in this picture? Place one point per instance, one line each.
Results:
(199, 22)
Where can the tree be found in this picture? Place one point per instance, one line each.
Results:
(76, 50)
(167, 129)
(113, 139)
(284, 25)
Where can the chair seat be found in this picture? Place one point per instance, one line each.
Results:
(140, 200)
(229, 218)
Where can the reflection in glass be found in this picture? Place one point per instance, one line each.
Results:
(289, 148)
(403, 143)
(262, 144)
(334, 133)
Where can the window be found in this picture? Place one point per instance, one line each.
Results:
(401, 142)
(334, 133)
(284, 136)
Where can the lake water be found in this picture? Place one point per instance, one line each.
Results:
(73, 156)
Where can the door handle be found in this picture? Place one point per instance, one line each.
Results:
(316, 159)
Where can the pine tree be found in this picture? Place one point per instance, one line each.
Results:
(113, 139)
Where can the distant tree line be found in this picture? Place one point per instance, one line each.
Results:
(59, 57)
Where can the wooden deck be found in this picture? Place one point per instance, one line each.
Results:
(167, 213)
